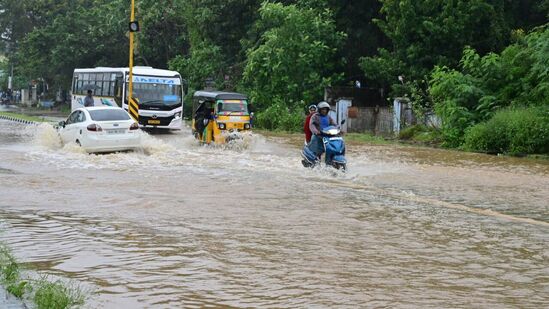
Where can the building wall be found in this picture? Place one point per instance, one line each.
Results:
(375, 120)
(379, 120)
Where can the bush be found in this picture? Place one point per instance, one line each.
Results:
(511, 131)
(278, 117)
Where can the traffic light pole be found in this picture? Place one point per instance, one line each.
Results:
(132, 18)
(133, 106)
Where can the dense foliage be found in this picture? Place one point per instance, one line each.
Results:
(483, 85)
(513, 131)
(466, 59)
(294, 58)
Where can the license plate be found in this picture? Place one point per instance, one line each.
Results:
(115, 131)
(153, 122)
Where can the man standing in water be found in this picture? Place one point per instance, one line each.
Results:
(306, 129)
(88, 101)
(319, 121)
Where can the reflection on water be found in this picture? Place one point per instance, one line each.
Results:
(183, 225)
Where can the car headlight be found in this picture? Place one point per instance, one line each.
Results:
(221, 126)
(246, 126)
(177, 115)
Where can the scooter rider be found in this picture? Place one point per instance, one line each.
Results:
(319, 121)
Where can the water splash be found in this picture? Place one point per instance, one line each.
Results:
(151, 145)
(45, 135)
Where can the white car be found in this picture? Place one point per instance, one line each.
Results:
(101, 129)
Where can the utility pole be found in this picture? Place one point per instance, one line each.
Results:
(133, 105)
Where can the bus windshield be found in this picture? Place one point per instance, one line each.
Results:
(157, 94)
(232, 107)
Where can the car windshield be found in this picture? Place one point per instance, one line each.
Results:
(108, 115)
(227, 107)
(157, 94)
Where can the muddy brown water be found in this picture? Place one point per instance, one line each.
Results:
(177, 225)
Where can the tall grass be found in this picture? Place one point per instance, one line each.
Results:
(56, 295)
(44, 293)
(10, 273)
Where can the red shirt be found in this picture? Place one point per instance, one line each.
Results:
(306, 129)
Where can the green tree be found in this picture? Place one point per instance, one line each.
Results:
(163, 32)
(81, 38)
(294, 57)
(356, 19)
(431, 32)
(221, 25)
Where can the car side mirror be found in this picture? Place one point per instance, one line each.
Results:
(62, 124)
(343, 121)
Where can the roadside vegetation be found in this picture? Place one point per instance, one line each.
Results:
(43, 293)
(514, 131)
(497, 103)
(367, 138)
(23, 116)
(421, 134)
(467, 61)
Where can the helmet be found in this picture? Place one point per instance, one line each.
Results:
(312, 107)
(323, 105)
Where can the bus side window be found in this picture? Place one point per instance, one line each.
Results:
(84, 79)
(105, 84)
(74, 83)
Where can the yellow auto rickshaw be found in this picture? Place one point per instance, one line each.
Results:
(219, 117)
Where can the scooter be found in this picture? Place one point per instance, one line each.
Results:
(334, 150)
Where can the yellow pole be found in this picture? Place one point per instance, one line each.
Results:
(133, 107)
(132, 18)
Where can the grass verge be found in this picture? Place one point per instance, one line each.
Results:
(366, 138)
(420, 134)
(44, 293)
(23, 117)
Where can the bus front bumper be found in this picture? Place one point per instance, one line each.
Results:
(169, 123)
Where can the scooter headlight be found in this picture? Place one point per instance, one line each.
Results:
(331, 132)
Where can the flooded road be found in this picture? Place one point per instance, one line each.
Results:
(178, 225)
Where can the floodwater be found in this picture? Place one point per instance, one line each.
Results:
(178, 225)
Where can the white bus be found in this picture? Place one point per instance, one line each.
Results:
(159, 93)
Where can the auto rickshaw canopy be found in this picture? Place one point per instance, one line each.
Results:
(202, 97)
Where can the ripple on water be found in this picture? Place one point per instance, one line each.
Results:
(342, 256)
(266, 232)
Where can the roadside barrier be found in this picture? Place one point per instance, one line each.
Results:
(11, 118)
